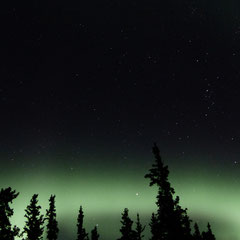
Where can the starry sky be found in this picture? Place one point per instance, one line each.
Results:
(86, 88)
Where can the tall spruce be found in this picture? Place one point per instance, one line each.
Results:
(7, 232)
(196, 235)
(34, 224)
(52, 224)
(208, 235)
(94, 234)
(126, 229)
(171, 221)
(139, 229)
(81, 232)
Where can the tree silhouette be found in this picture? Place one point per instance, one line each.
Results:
(186, 225)
(94, 234)
(34, 224)
(52, 225)
(171, 221)
(208, 235)
(126, 229)
(196, 234)
(81, 232)
(154, 227)
(139, 229)
(7, 195)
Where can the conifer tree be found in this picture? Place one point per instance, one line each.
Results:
(7, 232)
(171, 221)
(81, 232)
(94, 234)
(126, 229)
(208, 235)
(196, 234)
(139, 229)
(34, 224)
(186, 226)
(52, 225)
(154, 227)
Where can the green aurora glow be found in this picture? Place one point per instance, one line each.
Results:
(104, 194)
(107, 78)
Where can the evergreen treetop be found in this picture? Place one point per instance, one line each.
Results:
(94, 234)
(196, 234)
(208, 235)
(139, 229)
(34, 224)
(52, 225)
(81, 232)
(126, 229)
(171, 221)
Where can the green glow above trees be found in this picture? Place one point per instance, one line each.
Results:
(104, 194)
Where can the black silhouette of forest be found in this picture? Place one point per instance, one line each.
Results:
(169, 222)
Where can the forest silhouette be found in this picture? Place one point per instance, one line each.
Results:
(169, 222)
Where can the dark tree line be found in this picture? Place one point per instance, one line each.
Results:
(170, 222)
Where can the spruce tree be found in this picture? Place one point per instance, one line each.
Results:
(139, 229)
(7, 232)
(208, 235)
(94, 234)
(34, 224)
(52, 225)
(171, 221)
(126, 229)
(81, 232)
(196, 234)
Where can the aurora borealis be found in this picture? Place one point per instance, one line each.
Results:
(105, 194)
(87, 87)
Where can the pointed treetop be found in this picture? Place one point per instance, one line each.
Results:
(209, 227)
(158, 174)
(126, 230)
(34, 224)
(94, 234)
(81, 232)
(139, 229)
(52, 225)
(210, 234)
(196, 234)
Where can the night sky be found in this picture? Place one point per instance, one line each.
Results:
(87, 87)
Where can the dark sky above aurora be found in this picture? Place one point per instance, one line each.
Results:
(87, 87)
